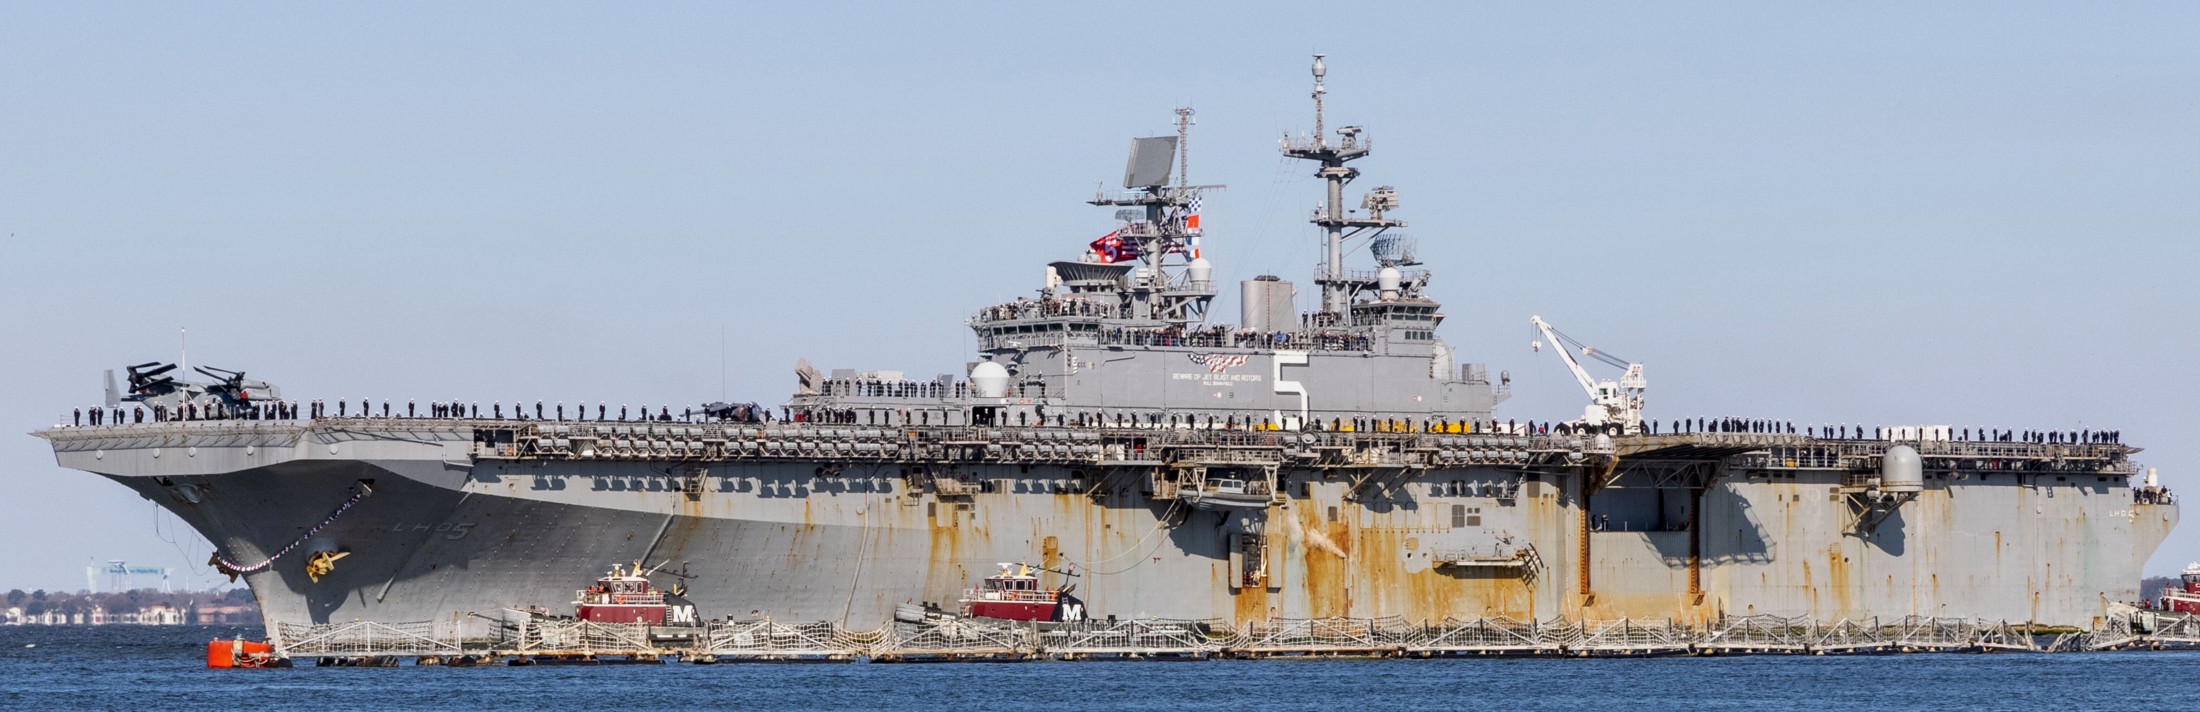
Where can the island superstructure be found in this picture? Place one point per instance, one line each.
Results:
(1334, 462)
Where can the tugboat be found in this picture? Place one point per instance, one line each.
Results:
(1015, 594)
(627, 596)
(2185, 598)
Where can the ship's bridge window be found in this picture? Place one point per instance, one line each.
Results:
(1419, 314)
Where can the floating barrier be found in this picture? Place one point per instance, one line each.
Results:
(523, 640)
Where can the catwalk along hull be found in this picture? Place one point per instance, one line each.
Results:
(462, 518)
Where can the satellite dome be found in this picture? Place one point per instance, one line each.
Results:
(1388, 280)
(1200, 269)
(1901, 470)
(989, 380)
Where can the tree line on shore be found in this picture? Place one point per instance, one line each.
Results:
(40, 601)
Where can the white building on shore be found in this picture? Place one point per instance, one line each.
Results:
(157, 614)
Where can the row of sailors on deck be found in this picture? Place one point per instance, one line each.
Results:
(896, 389)
(1026, 308)
(1221, 336)
(1213, 336)
(1857, 432)
(543, 411)
(1150, 420)
(454, 409)
(162, 412)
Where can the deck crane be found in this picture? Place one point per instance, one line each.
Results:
(1611, 403)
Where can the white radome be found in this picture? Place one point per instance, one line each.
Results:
(989, 380)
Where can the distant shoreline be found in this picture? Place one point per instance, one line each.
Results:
(144, 606)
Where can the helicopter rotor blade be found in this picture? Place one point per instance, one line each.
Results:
(231, 380)
(221, 373)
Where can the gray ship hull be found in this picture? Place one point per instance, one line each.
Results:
(451, 528)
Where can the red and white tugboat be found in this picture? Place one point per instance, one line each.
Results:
(1015, 594)
(627, 596)
(2186, 597)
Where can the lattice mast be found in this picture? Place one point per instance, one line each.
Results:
(1174, 292)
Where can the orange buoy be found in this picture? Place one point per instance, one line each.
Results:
(239, 653)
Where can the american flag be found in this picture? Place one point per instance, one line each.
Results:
(1111, 249)
(1217, 363)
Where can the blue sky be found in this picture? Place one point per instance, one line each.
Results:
(1982, 214)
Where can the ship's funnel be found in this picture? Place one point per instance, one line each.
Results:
(1265, 305)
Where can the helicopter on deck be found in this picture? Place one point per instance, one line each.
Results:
(151, 384)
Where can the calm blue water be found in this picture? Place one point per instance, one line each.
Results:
(164, 668)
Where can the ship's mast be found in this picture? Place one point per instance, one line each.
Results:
(1336, 287)
(1155, 294)
(1183, 148)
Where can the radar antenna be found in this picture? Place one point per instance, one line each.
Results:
(1160, 221)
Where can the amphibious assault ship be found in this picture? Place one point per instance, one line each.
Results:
(1333, 462)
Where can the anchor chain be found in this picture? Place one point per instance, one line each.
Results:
(233, 569)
